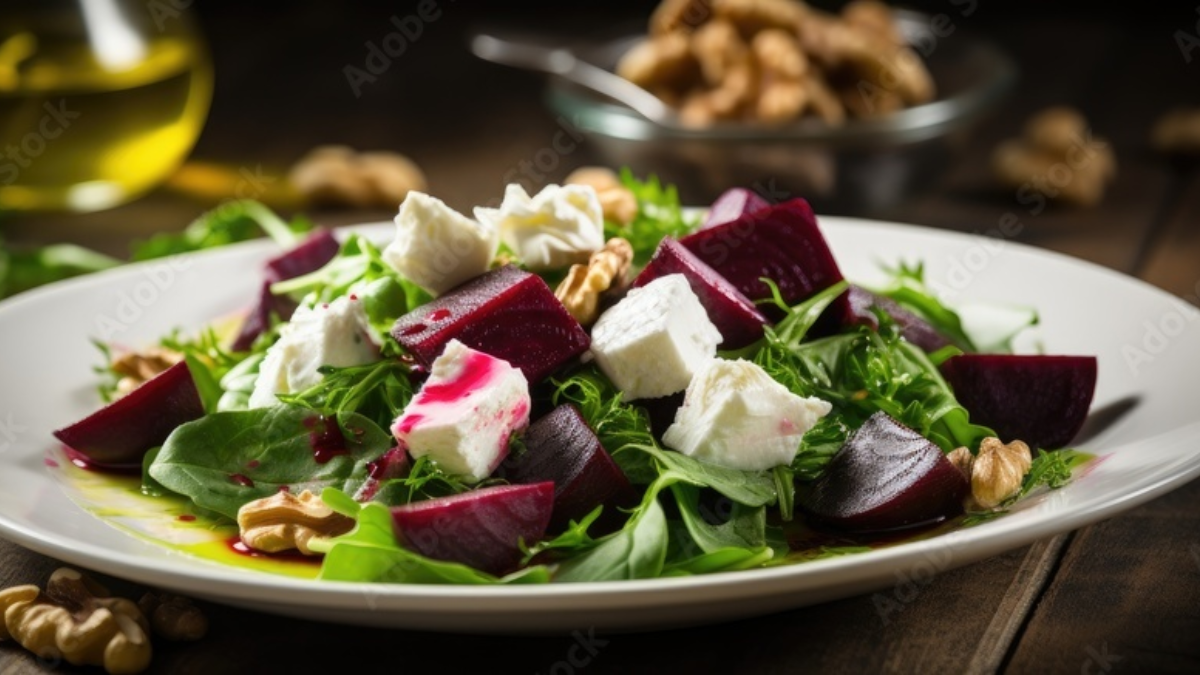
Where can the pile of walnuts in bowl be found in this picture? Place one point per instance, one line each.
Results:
(775, 61)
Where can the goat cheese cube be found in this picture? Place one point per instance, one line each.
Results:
(652, 341)
(332, 334)
(438, 248)
(557, 227)
(735, 415)
(464, 415)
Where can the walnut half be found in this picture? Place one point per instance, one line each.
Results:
(580, 292)
(75, 619)
(996, 473)
(283, 522)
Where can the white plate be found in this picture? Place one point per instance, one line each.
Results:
(1147, 341)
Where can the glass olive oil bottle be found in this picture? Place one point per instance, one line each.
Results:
(100, 100)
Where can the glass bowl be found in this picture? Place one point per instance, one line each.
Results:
(863, 166)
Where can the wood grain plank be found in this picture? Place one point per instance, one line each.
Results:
(1126, 598)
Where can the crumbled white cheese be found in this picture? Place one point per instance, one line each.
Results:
(438, 248)
(557, 227)
(652, 341)
(333, 334)
(465, 413)
(735, 415)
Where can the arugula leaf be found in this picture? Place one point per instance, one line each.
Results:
(226, 459)
(865, 371)
(574, 539)
(238, 383)
(370, 552)
(908, 288)
(425, 480)
(598, 400)
(659, 215)
(378, 391)
(232, 222)
(23, 269)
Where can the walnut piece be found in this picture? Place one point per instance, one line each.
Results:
(285, 522)
(580, 292)
(1058, 157)
(336, 175)
(998, 470)
(136, 368)
(173, 617)
(75, 619)
(618, 202)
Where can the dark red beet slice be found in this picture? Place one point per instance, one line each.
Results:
(506, 313)
(859, 304)
(885, 477)
(561, 448)
(731, 205)
(1042, 400)
(730, 311)
(781, 242)
(310, 255)
(482, 528)
(120, 433)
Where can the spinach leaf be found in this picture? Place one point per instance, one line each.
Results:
(744, 527)
(721, 560)
(371, 553)
(227, 459)
(637, 551)
(751, 488)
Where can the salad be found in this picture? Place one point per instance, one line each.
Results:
(565, 388)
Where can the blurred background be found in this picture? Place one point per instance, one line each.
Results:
(284, 80)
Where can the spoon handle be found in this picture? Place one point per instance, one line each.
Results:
(563, 63)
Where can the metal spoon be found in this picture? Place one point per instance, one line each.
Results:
(563, 63)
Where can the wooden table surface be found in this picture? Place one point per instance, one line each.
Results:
(1122, 595)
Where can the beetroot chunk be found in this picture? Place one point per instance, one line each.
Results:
(860, 303)
(120, 433)
(1042, 400)
(885, 477)
(781, 242)
(561, 448)
(482, 528)
(731, 205)
(309, 256)
(506, 313)
(731, 312)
